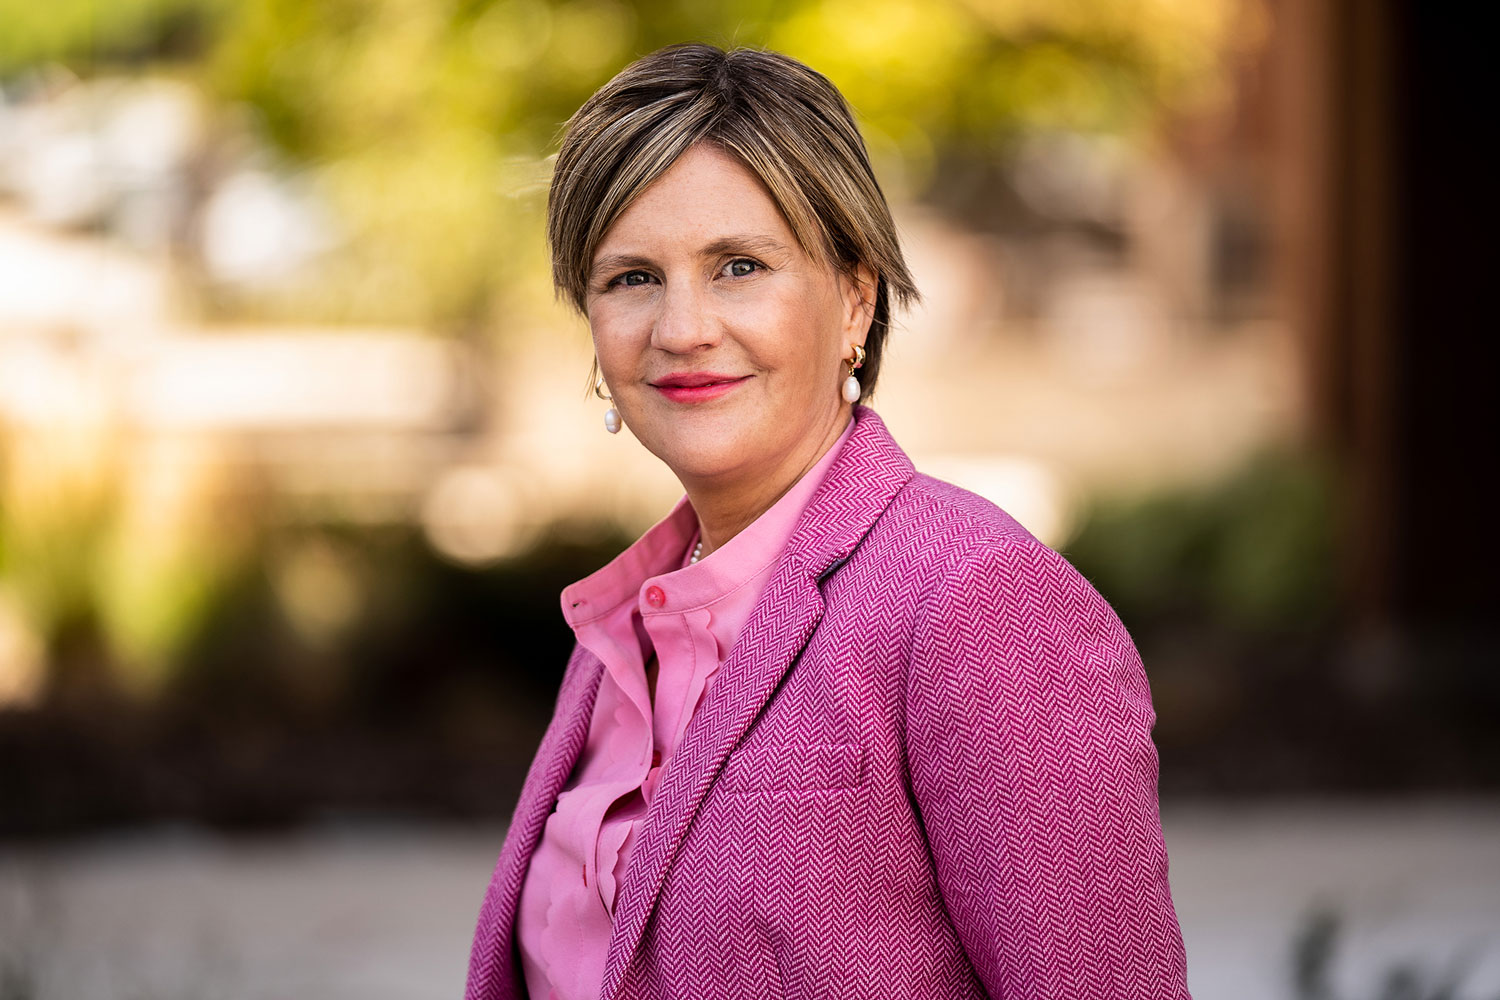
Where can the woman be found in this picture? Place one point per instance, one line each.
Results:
(832, 728)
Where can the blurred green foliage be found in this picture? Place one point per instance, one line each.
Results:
(52, 541)
(425, 123)
(86, 33)
(1254, 551)
(108, 602)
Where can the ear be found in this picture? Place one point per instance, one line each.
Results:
(858, 286)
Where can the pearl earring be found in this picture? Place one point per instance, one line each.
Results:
(612, 421)
(851, 388)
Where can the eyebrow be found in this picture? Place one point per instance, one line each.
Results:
(750, 244)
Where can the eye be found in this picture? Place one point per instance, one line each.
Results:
(630, 279)
(742, 266)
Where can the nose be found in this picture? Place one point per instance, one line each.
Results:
(683, 321)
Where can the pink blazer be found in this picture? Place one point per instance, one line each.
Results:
(925, 771)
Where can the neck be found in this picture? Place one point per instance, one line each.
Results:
(726, 509)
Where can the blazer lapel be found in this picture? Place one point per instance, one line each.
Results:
(860, 484)
(493, 971)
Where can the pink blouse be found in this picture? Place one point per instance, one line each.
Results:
(648, 598)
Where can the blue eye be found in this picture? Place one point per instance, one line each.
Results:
(628, 277)
(749, 267)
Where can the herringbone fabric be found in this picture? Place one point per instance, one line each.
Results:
(925, 771)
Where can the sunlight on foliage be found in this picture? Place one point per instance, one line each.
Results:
(81, 32)
(406, 113)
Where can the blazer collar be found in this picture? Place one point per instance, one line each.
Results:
(865, 477)
(494, 966)
(863, 480)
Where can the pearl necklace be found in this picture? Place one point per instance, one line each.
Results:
(697, 552)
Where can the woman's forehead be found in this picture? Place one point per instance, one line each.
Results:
(707, 201)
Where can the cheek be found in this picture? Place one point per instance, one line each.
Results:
(615, 342)
(798, 337)
(813, 364)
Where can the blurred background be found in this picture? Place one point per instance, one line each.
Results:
(295, 452)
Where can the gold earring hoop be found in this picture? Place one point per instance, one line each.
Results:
(851, 389)
(599, 389)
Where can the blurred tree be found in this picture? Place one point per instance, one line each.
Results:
(425, 123)
(85, 33)
(1251, 553)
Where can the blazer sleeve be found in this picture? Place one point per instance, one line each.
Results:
(1028, 738)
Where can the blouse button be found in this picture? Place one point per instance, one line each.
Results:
(655, 596)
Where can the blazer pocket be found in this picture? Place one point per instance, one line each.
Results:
(794, 768)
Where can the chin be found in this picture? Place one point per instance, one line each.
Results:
(702, 455)
(686, 438)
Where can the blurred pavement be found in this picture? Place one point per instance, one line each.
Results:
(385, 911)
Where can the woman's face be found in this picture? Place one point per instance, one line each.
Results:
(719, 338)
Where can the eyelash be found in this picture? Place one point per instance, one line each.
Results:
(620, 278)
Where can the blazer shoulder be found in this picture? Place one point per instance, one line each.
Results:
(968, 539)
(998, 587)
(941, 515)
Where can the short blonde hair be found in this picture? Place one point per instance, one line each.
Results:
(786, 122)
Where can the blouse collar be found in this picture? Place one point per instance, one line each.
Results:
(656, 560)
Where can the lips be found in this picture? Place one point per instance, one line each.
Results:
(697, 387)
(693, 380)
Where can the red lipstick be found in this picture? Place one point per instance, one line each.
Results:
(697, 387)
